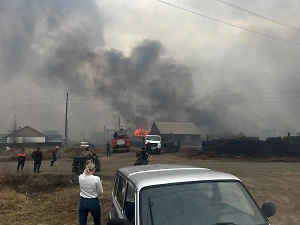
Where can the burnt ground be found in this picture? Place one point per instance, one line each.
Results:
(277, 182)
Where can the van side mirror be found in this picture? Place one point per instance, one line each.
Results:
(268, 209)
(117, 222)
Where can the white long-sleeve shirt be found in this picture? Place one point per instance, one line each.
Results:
(90, 186)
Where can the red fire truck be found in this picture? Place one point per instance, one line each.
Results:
(120, 142)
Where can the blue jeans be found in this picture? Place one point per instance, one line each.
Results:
(37, 165)
(21, 163)
(87, 205)
(54, 159)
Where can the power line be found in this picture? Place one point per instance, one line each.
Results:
(234, 102)
(198, 96)
(216, 102)
(258, 15)
(30, 99)
(32, 105)
(223, 101)
(220, 21)
(204, 101)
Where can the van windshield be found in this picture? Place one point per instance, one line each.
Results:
(199, 203)
(152, 138)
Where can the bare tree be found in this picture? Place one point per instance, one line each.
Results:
(14, 127)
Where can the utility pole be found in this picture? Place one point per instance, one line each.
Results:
(244, 127)
(119, 123)
(14, 127)
(66, 122)
(104, 134)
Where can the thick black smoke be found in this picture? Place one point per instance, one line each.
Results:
(146, 86)
(65, 39)
(142, 87)
(30, 30)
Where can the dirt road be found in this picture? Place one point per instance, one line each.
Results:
(277, 182)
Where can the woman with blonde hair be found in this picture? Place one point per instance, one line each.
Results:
(90, 189)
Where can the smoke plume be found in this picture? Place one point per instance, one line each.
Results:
(62, 42)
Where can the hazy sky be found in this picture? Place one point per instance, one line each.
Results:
(144, 60)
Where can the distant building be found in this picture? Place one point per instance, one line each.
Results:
(286, 139)
(26, 135)
(186, 132)
(2, 138)
(54, 135)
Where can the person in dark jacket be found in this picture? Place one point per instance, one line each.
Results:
(148, 147)
(54, 155)
(145, 155)
(140, 159)
(107, 148)
(38, 157)
(21, 160)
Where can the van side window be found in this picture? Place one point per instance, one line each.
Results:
(120, 193)
(130, 203)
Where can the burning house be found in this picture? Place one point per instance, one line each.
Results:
(186, 133)
(138, 137)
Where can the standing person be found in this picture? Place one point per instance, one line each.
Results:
(148, 147)
(107, 148)
(54, 155)
(90, 189)
(21, 160)
(38, 157)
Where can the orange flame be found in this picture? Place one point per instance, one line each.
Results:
(141, 132)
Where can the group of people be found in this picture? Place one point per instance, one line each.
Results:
(90, 185)
(37, 155)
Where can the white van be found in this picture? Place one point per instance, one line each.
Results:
(155, 142)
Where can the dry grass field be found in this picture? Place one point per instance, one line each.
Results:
(52, 197)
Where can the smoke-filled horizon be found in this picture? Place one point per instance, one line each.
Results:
(54, 47)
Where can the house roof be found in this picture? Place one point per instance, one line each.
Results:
(177, 128)
(26, 132)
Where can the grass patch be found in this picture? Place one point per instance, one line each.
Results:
(44, 199)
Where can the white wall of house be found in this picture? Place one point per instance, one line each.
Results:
(26, 140)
